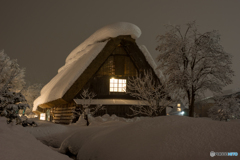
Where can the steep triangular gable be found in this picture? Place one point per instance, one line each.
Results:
(136, 55)
(126, 43)
(78, 60)
(93, 68)
(118, 63)
(130, 48)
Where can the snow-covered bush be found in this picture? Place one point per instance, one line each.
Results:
(150, 91)
(11, 84)
(225, 108)
(10, 104)
(27, 122)
(85, 111)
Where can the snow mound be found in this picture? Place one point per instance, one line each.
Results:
(100, 120)
(166, 137)
(17, 144)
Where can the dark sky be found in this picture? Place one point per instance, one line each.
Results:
(41, 34)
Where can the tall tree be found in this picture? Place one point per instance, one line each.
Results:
(11, 75)
(11, 82)
(193, 62)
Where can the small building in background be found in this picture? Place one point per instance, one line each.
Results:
(201, 107)
(178, 109)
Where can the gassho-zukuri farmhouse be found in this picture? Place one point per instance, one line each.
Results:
(102, 64)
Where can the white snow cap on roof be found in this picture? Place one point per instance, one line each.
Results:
(109, 31)
(80, 58)
(151, 61)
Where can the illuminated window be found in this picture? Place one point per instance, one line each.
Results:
(178, 105)
(179, 109)
(118, 85)
(42, 116)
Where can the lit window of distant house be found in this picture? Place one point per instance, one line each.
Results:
(43, 116)
(179, 109)
(117, 85)
(178, 105)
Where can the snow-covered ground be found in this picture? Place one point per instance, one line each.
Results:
(114, 138)
(17, 144)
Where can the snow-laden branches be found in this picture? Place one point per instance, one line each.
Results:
(10, 104)
(194, 62)
(11, 83)
(225, 107)
(87, 96)
(85, 109)
(11, 75)
(31, 93)
(151, 92)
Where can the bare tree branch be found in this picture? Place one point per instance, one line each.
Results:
(195, 63)
(152, 92)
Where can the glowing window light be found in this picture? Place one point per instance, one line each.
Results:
(179, 109)
(117, 85)
(178, 105)
(43, 116)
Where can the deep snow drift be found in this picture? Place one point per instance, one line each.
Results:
(17, 144)
(114, 138)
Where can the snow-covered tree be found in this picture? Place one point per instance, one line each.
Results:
(11, 83)
(31, 92)
(11, 75)
(151, 92)
(85, 109)
(10, 103)
(225, 107)
(193, 62)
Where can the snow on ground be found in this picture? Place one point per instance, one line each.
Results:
(17, 144)
(114, 138)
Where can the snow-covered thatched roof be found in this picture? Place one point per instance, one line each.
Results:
(81, 57)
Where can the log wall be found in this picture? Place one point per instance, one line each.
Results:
(63, 114)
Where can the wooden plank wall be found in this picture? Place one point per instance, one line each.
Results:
(63, 114)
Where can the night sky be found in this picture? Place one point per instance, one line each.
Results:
(41, 34)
